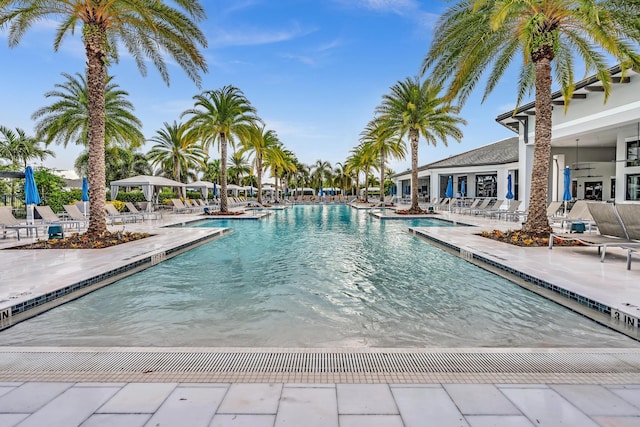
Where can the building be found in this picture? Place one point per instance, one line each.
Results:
(599, 141)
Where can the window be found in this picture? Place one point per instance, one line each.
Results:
(613, 189)
(633, 153)
(486, 185)
(633, 187)
(593, 190)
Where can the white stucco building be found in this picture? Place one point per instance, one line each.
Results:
(598, 141)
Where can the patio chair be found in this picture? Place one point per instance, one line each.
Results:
(490, 208)
(50, 217)
(478, 207)
(613, 232)
(179, 207)
(9, 222)
(143, 214)
(74, 213)
(553, 209)
(114, 215)
(513, 207)
(578, 213)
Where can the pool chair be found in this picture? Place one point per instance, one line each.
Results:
(579, 213)
(613, 231)
(553, 208)
(114, 215)
(50, 218)
(9, 222)
(480, 206)
(179, 207)
(513, 207)
(74, 213)
(143, 214)
(490, 207)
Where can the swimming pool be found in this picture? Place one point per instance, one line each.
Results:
(314, 276)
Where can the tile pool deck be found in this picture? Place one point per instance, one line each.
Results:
(325, 387)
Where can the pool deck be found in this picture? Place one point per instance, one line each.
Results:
(326, 387)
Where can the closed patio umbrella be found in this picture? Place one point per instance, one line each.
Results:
(463, 188)
(449, 192)
(85, 194)
(566, 197)
(31, 195)
(509, 195)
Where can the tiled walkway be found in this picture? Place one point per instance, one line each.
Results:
(55, 404)
(50, 400)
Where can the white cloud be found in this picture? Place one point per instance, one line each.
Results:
(254, 37)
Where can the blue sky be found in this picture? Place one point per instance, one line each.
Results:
(314, 69)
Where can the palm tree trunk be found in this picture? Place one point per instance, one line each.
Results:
(537, 221)
(259, 176)
(224, 205)
(95, 40)
(382, 176)
(413, 137)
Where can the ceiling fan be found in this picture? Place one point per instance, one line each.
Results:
(577, 166)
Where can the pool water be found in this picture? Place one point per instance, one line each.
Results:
(314, 276)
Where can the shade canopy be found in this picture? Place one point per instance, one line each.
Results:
(148, 184)
(203, 186)
(449, 192)
(509, 188)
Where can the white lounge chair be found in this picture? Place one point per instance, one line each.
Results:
(50, 217)
(9, 222)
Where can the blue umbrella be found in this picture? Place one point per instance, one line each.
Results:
(215, 190)
(321, 193)
(463, 188)
(509, 188)
(85, 194)
(566, 197)
(251, 191)
(31, 195)
(406, 190)
(449, 192)
(392, 191)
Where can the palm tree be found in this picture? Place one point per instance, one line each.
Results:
(354, 165)
(322, 171)
(263, 144)
(239, 168)
(221, 115)
(378, 140)
(147, 29)
(473, 35)
(416, 109)
(282, 163)
(120, 163)
(176, 151)
(67, 119)
(19, 148)
(342, 177)
(211, 170)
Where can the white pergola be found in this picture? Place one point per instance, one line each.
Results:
(148, 183)
(203, 186)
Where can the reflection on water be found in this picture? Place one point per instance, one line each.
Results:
(314, 276)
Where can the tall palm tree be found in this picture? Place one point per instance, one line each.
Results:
(147, 29)
(282, 164)
(263, 144)
(67, 118)
(222, 115)
(342, 177)
(416, 109)
(211, 170)
(474, 35)
(239, 168)
(19, 148)
(354, 165)
(321, 173)
(120, 163)
(378, 140)
(177, 151)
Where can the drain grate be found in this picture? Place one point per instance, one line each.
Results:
(321, 362)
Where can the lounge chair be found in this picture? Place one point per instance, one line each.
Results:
(143, 214)
(578, 213)
(9, 222)
(49, 217)
(613, 232)
(553, 209)
(478, 207)
(179, 207)
(489, 209)
(513, 207)
(114, 215)
(74, 213)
